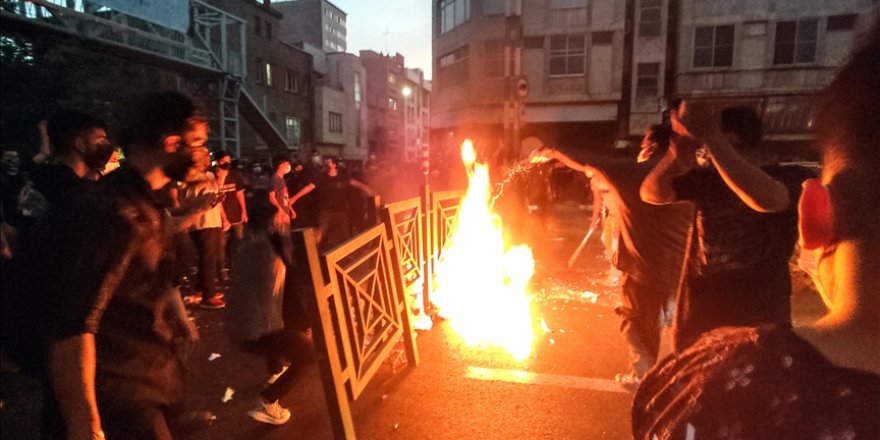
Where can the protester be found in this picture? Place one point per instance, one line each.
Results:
(334, 225)
(232, 189)
(651, 247)
(745, 227)
(81, 148)
(207, 231)
(109, 272)
(819, 380)
(279, 225)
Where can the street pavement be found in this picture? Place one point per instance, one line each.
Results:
(566, 390)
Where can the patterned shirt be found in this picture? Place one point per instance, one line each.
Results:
(755, 383)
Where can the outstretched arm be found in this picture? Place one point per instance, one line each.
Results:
(363, 187)
(302, 193)
(549, 153)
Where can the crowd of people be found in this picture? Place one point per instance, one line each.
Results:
(89, 245)
(93, 257)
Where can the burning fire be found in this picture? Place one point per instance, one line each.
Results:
(482, 281)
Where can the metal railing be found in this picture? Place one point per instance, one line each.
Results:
(364, 290)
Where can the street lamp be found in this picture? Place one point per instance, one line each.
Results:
(406, 91)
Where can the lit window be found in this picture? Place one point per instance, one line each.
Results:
(796, 41)
(335, 122)
(713, 46)
(357, 89)
(268, 76)
(293, 129)
(567, 54)
(392, 104)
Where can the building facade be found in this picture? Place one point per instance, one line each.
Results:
(319, 23)
(340, 110)
(415, 94)
(771, 55)
(276, 99)
(571, 74)
(549, 70)
(385, 74)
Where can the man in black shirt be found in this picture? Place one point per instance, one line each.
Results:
(816, 381)
(334, 225)
(112, 362)
(745, 227)
(651, 251)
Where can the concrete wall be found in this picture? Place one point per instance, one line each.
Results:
(782, 91)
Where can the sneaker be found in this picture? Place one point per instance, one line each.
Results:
(628, 381)
(275, 376)
(212, 303)
(195, 298)
(272, 413)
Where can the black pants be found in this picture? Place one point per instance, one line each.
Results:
(334, 228)
(229, 241)
(207, 243)
(296, 347)
(641, 324)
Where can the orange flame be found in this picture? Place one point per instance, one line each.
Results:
(482, 281)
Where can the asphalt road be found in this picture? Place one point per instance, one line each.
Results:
(565, 390)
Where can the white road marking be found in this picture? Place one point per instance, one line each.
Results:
(558, 380)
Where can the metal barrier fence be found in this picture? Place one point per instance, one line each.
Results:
(363, 290)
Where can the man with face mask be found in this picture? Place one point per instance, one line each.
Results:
(111, 271)
(819, 380)
(81, 148)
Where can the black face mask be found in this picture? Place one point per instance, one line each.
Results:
(178, 163)
(97, 156)
(225, 166)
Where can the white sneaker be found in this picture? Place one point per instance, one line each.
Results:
(275, 376)
(272, 413)
(628, 381)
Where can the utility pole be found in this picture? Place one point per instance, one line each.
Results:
(517, 86)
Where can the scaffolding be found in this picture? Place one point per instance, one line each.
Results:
(214, 47)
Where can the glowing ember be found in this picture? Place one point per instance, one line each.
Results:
(482, 282)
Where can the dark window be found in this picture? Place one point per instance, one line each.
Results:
(567, 54)
(293, 81)
(796, 41)
(604, 37)
(650, 18)
(258, 25)
(713, 46)
(454, 67)
(268, 30)
(453, 13)
(261, 72)
(842, 22)
(493, 58)
(648, 80)
(335, 122)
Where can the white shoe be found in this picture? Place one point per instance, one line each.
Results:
(275, 376)
(629, 381)
(272, 413)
